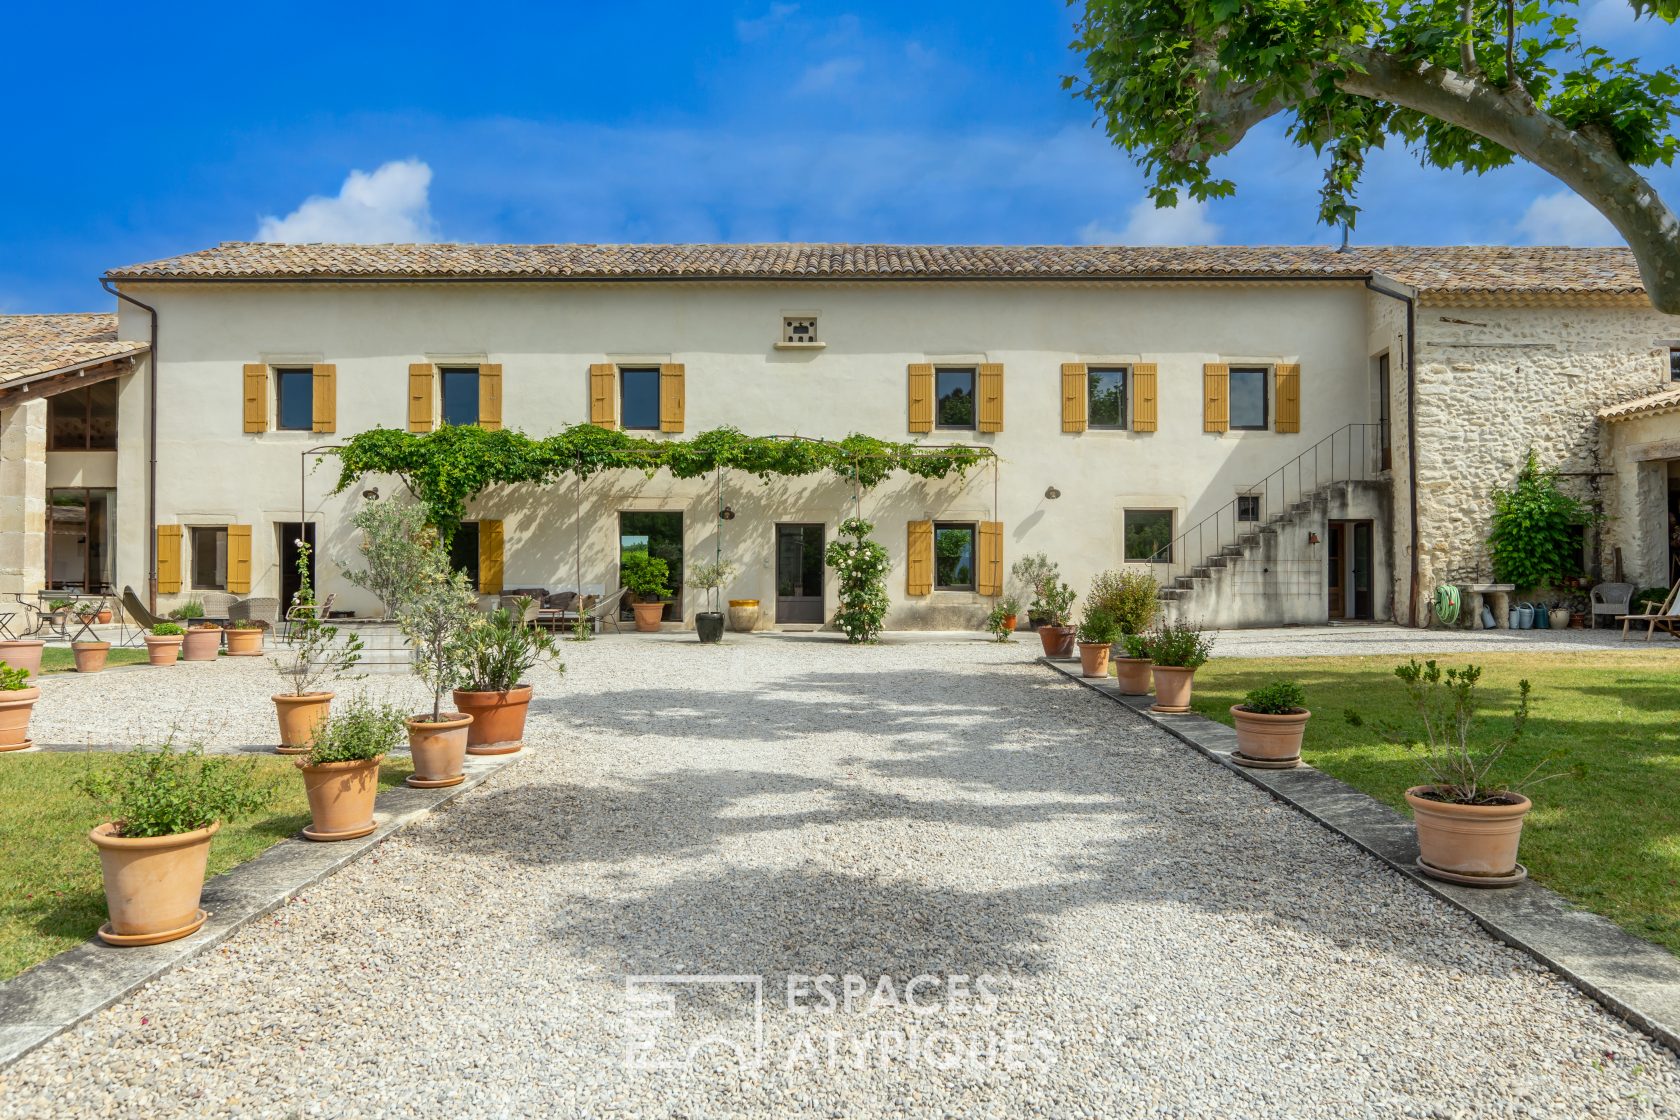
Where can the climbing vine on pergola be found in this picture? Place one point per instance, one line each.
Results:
(446, 469)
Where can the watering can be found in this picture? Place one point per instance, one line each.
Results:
(1542, 617)
(1525, 616)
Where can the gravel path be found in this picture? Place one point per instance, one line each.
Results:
(1167, 940)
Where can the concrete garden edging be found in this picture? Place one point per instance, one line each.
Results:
(53, 996)
(1635, 980)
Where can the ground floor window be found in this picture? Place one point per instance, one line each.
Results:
(81, 538)
(1148, 534)
(209, 558)
(463, 551)
(659, 534)
(953, 556)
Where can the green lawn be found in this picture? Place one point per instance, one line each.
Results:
(1607, 835)
(51, 898)
(59, 659)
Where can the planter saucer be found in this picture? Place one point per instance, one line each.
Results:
(1510, 880)
(251, 653)
(310, 833)
(291, 750)
(433, 783)
(497, 748)
(26, 745)
(1265, 763)
(127, 939)
(1169, 711)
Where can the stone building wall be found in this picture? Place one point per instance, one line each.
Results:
(1494, 382)
(23, 498)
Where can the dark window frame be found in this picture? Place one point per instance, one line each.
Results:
(294, 375)
(468, 530)
(1125, 534)
(1091, 374)
(84, 394)
(1674, 363)
(972, 528)
(456, 373)
(624, 373)
(193, 533)
(108, 499)
(1252, 500)
(1265, 373)
(973, 375)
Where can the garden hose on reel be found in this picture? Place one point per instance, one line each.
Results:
(1447, 603)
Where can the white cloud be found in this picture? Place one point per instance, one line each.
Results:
(748, 30)
(390, 204)
(1565, 218)
(1184, 224)
(826, 76)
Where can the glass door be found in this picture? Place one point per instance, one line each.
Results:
(81, 537)
(799, 573)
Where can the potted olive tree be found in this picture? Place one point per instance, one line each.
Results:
(164, 807)
(310, 655)
(1035, 572)
(1055, 602)
(1270, 722)
(645, 576)
(1177, 652)
(710, 577)
(436, 616)
(163, 643)
(1098, 631)
(341, 770)
(17, 704)
(501, 651)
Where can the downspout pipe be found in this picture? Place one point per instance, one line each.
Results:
(151, 443)
(1393, 289)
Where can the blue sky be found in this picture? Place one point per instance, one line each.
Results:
(139, 134)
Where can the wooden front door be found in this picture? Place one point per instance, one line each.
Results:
(799, 573)
(1338, 566)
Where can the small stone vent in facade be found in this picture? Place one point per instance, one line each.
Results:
(799, 330)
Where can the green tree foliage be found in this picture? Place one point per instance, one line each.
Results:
(395, 542)
(166, 792)
(861, 565)
(436, 619)
(1531, 545)
(1467, 84)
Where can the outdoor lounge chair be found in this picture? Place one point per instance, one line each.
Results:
(134, 611)
(1665, 616)
(606, 610)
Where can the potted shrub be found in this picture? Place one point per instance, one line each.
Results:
(501, 652)
(1468, 828)
(710, 578)
(244, 638)
(164, 806)
(87, 613)
(17, 703)
(1036, 573)
(310, 655)
(90, 656)
(202, 642)
(1055, 601)
(645, 576)
(1177, 652)
(190, 611)
(1002, 618)
(1133, 598)
(341, 769)
(1098, 631)
(163, 643)
(1270, 723)
(1131, 672)
(23, 653)
(437, 616)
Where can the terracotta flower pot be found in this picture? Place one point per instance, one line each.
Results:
(1475, 844)
(1172, 688)
(104, 617)
(1009, 622)
(245, 643)
(1132, 674)
(341, 798)
(439, 750)
(300, 718)
(23, 653)
(1057, 640)
(743, 615)
(90, 656)
(163, 649)
(648, 616)
(15, 709)
(1093, 659)
(1578, 620)
(1271, 740)
(201, 643)
(152, 884)
(498, 719)
(88, 619)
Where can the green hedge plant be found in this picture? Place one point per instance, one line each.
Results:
(645, 576)
(1131, 597)
(1532, 545)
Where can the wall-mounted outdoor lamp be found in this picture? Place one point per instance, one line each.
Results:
(1052, 493)
(1312, 538)
(726, 514)
(371, 493)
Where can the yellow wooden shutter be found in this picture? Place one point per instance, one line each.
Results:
(256, 398)
(490, 398)
(1289, 398)
(601, 379)
(325, 409)
(918, 558)
(921, 398)
(991, 397)
(988, 579)
(168, 559)
(420, 397)
(490, 557)
(239, 559)
(1074, 393)
(672, 398)
(1216, 397)
(1143, 397)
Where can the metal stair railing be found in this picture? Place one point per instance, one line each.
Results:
(1352, 453)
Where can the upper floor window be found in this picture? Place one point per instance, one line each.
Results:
(638, 404)
(83, 419)
(1248, 398)
(953, 557)
(460, 395)
(294, 399)
(1674, 363)
(953, 392)
(1106, 398)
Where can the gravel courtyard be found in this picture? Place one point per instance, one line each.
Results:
(1106, 924)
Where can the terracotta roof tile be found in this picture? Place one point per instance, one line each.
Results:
(1666, 401)
(1440, 270)
(33, 344)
